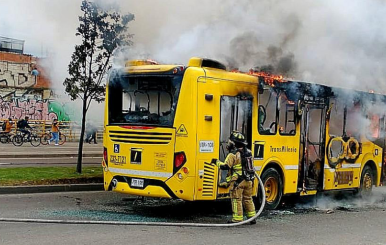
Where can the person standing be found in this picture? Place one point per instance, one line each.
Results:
(92, 130)
(240, 177)
(54, 132)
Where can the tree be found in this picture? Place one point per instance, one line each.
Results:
(102, 31)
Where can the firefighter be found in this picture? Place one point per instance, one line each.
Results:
(240, 177)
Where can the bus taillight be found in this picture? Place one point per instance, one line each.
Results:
(179, 161)
(105, 156)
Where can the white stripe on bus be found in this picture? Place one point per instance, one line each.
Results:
(354, 165)
(140, 173)
(288, 167)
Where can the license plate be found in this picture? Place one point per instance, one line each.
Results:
(137, 182)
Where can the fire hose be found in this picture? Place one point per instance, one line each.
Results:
(96, 222)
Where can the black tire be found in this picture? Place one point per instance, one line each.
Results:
(35, 140)
(367, 182)
(4, 139)
(273, 185)
(17, 140)
(45, 138)
(62, 139)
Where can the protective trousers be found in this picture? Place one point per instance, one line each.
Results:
(241, 195)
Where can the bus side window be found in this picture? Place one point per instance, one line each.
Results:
(267, 113)
(287, 124)
(354, 119)
(373, 127)
(336, 117)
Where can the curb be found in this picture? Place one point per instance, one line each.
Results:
(50, 188)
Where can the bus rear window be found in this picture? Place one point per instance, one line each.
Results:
(144, 100)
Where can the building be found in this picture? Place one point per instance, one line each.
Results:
(25, 87)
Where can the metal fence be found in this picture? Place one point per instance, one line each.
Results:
(70, 128)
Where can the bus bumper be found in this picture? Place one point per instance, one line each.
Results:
(121, 184)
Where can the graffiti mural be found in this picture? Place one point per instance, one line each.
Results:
(35, 109)
(25, 89)
(17, 75)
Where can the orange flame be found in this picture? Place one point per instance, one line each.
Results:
(268, 78)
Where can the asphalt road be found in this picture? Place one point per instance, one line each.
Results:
(43, 155)
(326, 220)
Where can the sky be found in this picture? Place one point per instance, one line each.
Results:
(338, 43)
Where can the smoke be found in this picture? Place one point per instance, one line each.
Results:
(348, 201)
(337, 43)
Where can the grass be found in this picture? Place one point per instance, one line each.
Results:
(49, 175)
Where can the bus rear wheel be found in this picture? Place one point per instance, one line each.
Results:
(273, 185)
(367, 182)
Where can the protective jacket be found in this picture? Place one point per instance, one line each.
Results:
(232, 163)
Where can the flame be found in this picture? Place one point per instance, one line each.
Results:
(268, 78)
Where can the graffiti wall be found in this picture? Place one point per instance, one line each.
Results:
(33, 108)
(25, 89)
(16, 75)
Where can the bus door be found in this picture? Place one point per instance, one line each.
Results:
(236, 115)
(312, 143)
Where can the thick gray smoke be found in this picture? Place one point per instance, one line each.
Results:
(338, 43)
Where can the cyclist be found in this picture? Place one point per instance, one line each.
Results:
(55, 132)
(23, 125)
(7, 126)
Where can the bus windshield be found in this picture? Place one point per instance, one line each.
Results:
(144, 99)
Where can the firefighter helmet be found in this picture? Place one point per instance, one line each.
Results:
(238, 139)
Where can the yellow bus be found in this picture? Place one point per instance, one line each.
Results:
(165, 123)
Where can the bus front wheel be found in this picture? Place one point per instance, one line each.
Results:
(273, 185)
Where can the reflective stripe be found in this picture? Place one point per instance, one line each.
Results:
(251, 214)
(237, 218)
(380, 165)
(291, 167)
(346, 165)
(257, 168)
(234, 207)
(354, 165)
(140, 173)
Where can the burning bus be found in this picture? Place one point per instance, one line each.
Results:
(164, 124)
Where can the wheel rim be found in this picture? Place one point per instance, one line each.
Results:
(271, 186)
(367, 182)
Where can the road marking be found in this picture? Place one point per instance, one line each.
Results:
(5, 163)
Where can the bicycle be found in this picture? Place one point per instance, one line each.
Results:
(47, 136)
(20, 138)
(6, 138)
